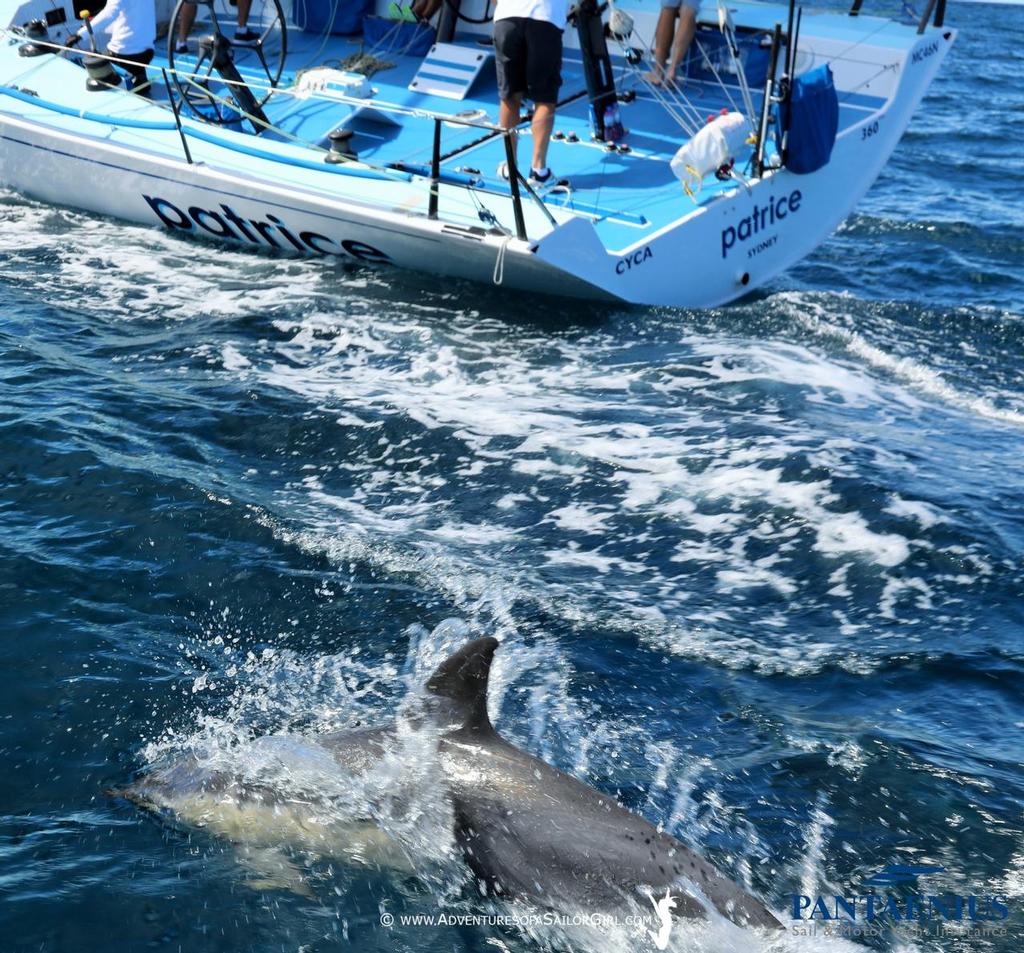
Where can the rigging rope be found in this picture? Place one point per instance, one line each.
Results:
(499, 264)
(672, 99)
(725, 24)
(707, 59)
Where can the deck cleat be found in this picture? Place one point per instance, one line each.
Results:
(101, 74)
(35, 30)
(341, 146)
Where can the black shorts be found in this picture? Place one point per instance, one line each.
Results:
(528, 55)
(135, 67)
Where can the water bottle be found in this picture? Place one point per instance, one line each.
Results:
(613, 131)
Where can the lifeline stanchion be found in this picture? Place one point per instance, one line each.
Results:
(435, 171)
(766, 106)
(513, 181)
(177, 120)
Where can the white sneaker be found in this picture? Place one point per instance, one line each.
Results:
(547, 183)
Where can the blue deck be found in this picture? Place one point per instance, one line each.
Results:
(628, 195)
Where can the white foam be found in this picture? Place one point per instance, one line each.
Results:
(584, 519)
(839, 535)
(629, 471)
(920, 378)
(925, 514)
(233, 359)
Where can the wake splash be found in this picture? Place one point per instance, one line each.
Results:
(264, 719)
(916, 375)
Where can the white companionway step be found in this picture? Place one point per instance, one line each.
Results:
(450, 70)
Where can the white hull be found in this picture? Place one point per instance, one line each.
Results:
(711, 255)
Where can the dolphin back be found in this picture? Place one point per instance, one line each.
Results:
(458, 688)
(528, 829)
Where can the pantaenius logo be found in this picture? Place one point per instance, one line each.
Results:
(915, 906)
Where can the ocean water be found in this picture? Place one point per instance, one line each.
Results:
(757, 571)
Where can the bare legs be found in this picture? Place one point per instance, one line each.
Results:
(188, 19)
(541, 126)
(425, 9)
(684, 37)
(671, 43)
(663, 34)
(243, 13)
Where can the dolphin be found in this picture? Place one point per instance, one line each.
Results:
(525, 829)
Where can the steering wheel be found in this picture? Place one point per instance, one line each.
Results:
(259, 61)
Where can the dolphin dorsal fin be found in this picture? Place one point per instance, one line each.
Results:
(460, 685)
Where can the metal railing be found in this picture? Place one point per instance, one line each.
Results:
(938, 6)
(517, 183)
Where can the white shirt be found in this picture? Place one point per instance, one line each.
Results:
(131, 25)
(552, 11)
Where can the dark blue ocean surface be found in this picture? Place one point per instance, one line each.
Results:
(758, 570)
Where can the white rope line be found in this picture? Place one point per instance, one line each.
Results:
(675, 93)
(381, 105)
(499, 263)
(327, 32)
(721, 82)
(870, 79)
(672, 98)
(725, 24)
(673, 101)
(386, 44)
(841, 55)
(687, 124)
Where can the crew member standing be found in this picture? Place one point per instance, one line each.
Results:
(528, 54)
(187, 19)
(131, 26)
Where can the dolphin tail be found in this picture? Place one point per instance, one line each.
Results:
(459, 685)
(133, 795)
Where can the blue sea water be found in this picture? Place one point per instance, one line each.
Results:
(757, 571)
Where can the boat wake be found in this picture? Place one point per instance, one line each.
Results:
(258, 717)
(822, 320)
